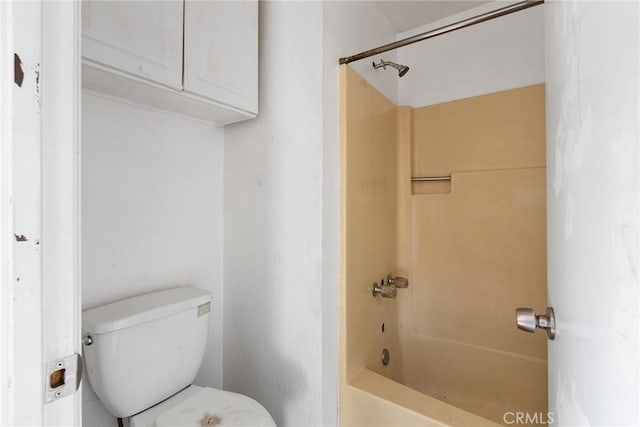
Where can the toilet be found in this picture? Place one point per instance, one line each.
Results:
(143, 353)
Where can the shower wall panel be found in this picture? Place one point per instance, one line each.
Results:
(473, 249)
(369, 194)
(501, 130)
(477, 251)
(375, 144)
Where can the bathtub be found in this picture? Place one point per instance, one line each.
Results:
(371, 399)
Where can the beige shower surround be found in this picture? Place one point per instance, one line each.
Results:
(473, 250)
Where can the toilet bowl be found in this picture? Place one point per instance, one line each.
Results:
(195, 406)
(142, 355)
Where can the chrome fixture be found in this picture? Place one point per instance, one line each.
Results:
(87, 340)
(397, 281)
(525, 4)
(402, 69)
(386, 291)
(527, 320)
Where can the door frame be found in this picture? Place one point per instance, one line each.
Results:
(40, 299)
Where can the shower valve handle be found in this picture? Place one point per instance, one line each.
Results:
(386, 291)
(397, 281)
(527, 320)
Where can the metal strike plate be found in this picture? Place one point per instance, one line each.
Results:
(62, 377)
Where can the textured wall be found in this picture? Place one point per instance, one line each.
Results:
(281, 211)
(593, 197)
(273, 224)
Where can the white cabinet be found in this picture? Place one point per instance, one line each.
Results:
(221, 62)
(192, 58)
(139, 37)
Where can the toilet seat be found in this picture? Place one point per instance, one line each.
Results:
(189, 407)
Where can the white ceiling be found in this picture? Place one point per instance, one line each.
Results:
(405, 15)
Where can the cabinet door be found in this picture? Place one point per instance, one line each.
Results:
(221, 51)
(143, 38)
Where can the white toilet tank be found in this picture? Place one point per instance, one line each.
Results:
(146, 348)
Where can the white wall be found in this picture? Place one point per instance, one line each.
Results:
(151, 213)
(350, 27)
(281, 211)
(593, 199)
(273, 224)
(504, 53)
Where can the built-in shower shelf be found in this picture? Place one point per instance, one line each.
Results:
(431, 184)
(430, 178)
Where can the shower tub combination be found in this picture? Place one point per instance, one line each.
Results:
(452, 197)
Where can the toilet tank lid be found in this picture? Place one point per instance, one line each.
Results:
(142, 308)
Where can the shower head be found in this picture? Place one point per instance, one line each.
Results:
(402, 69)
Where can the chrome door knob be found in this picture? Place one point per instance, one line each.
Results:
(528, 321)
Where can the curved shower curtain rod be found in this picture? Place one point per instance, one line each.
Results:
(444, 30)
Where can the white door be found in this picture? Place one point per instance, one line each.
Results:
(39, 165)
(221, 52)
(593, 158)
(142, 38)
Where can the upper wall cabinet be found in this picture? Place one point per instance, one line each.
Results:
(220, 61)
(141, 38)
(194, 58)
